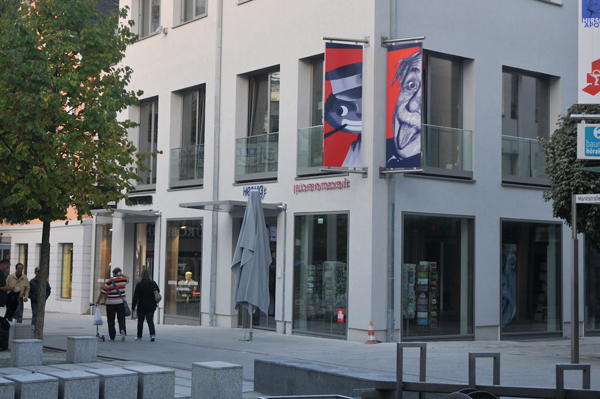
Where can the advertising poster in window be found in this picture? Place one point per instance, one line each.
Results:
(343, 105)
(403, 128)
(589, 52)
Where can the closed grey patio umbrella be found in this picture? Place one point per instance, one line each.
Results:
(251, 259)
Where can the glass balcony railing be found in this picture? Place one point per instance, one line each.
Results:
(446, 151)
(257, 157)
(448, 148)
(523, 160)
(310, 150)
(187, 166)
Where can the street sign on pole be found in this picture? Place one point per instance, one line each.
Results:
(587, 198)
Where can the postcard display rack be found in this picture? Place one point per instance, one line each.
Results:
(420, 293)
(326, 289)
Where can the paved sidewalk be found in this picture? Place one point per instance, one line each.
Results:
(526, 363)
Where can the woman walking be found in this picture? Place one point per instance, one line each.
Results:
(143, 300)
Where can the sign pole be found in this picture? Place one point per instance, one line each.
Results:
(574, 284)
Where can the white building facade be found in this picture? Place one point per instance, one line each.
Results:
(464, 247)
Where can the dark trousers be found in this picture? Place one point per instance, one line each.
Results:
(33, 312)
(149, 317)
(111, 311)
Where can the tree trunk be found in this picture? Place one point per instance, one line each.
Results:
(44, 272)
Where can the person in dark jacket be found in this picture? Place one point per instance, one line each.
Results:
(34, 283)
(143, 300)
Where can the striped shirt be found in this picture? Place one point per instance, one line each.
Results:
(112, 296)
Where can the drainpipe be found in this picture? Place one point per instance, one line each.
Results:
(93, 268)
(391, 187)
(217, 138)
(284, 208)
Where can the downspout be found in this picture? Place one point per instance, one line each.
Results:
(391, 187)
(217, 138)
(161, 307)
(93, 268)
(284, 208)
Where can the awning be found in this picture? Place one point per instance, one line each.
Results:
(128, 215)
(233, 207)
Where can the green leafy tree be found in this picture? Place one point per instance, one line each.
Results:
(61, 89)
(567, 176)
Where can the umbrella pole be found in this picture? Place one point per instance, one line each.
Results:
(250, 314)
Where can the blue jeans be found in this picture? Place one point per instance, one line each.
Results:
(149, 316)
(33, 312)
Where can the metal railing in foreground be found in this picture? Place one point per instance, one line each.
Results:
(423, 387)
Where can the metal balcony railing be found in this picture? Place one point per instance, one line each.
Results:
(187, 166)
(257, 157)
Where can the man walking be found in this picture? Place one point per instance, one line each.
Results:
(19, 280)
(4, 288)
(34, 292)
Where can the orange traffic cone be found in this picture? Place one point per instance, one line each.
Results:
(371, 339)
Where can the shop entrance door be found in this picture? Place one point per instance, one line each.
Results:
(144, 250)
(261, 319)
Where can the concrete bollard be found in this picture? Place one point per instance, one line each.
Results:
(26, 352)
(216, 380)
(82, 349)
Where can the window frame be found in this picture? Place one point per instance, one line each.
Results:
(253, 100)
(180, 12)
(153, 103)
(145, 26)
(66, 265)
(514, 115)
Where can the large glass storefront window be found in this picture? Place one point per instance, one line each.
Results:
(531, 277)
(183, 271)
(437, 276)
(321, 274)
(103, 257)
(592, 289)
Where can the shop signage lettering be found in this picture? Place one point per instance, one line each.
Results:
(187, 232)
(331, 185)
(262, 190)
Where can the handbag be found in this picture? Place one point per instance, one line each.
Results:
(125, 304)
(157, 296)
(97, 317)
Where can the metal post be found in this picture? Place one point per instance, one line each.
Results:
(574, 284)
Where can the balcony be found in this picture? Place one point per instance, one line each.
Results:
(187, 166)
(257, 157)
(310, 150)
(446, 151)
(523, 161)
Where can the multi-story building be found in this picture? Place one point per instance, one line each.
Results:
(462, 247)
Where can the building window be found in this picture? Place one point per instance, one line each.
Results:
(321, 274)
(316, 99)
(149, 17)
(437, 276)
(531, 272)
(23, 249)
(263, 104)
(66, 279)
(257, 154)
(192, 9)
(187, 161)
(446, 146)
(148, 140)
(102, 257)
(183, 271)
(525, 118)
(310, 139)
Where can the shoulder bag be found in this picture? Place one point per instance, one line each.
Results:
(127, 310)
(157, 296)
